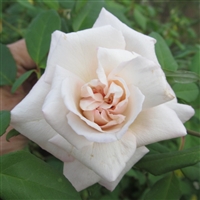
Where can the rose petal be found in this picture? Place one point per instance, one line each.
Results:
(29, 121)
(106, 160)
(184, 112)
(55, 111)
(157, 124)
(108, 59)
(71, 100)
(148, 77)
(80, 125)
(76, 52)
(134, 107)
(139, 153)
(79, 175)
(82, 177)
(135, 41)
(91, 134)
(89, 104)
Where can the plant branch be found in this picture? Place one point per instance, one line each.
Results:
(193, 133)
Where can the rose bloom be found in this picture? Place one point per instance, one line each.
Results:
(102, 98)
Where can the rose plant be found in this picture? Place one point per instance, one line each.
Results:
(102, 98)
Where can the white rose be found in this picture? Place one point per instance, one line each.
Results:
(102, 98)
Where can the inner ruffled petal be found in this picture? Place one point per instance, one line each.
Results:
(104, 104)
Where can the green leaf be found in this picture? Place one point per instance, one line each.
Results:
(140, 19)
(187, 92)
(25, 176)
(195, 65)
(86, 17)
(169, 161)
(191, 172)
(20, 80)
(118, 10)
(182, 76)
(137, 175)
(67, 4)
(164, 54)
(11, 134)
(166, 188)
(52, 4)
(26, 4)
(158, 148)
(38, 35)
(55, 163)
(4, 121)
(8, 68)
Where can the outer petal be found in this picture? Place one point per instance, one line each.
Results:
(82, 177)
(184, 112)
(79, 175)
(27, 118)
(76, 52)
(55, 110)
(106, 160)
(148, 77)
(157, 124)
(135, 41)
(139, 153)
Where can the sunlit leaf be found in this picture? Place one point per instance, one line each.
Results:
(169, 161)
(164, 54)
(8, 68)
(25, 176)
(4, 121)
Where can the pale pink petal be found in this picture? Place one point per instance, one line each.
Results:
(77, 52)
(115, 119)
(89, 115)
(135, 41)
(91, 134)
(55, 111)
(184, 112)
(72, 99)
(90, 103)
(83, 126)
(100, 118)
(92, 89)
(29, 120)
(79, 175)
(149, 78)
(139, 153)
(157, 124)
(107, 160)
